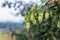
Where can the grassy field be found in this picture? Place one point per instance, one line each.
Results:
(5, 36)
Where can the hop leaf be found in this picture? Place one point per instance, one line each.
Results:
(46, 15)
(53, 38)
(51, 13)
(54, 19)
(58, 25)
(32, 8)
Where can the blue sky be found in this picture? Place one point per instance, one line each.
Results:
(5, 13)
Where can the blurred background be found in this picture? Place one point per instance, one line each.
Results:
(11, 16)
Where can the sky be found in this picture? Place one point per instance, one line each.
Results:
(7, 14)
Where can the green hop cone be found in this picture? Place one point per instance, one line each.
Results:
(26, 20)
(39, 19)
(40, 14)
(34, 21)
(28, 25)
(31, 16)
(46, 15)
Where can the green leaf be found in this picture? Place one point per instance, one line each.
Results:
(54, 19)
(53, 38)
(58, 24)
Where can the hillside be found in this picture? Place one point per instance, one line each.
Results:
(5, 34)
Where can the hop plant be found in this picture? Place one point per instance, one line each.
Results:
(42, 20)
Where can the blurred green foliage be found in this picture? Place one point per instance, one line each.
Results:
(42, 22)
